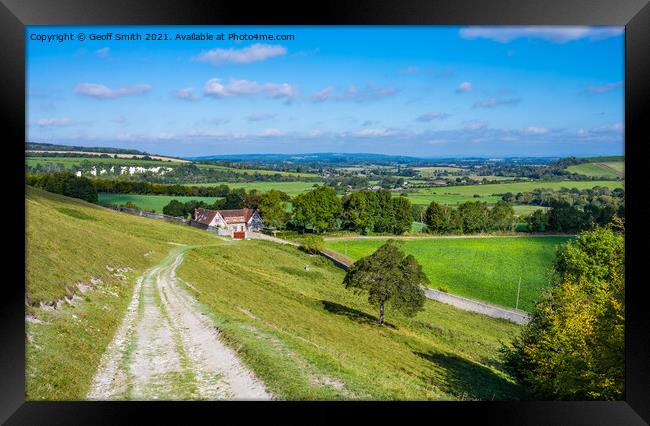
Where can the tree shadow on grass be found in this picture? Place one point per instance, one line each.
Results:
(468, 380)
(354, 314)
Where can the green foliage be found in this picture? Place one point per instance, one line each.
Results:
(252, 199)
(234, 199)
(312, 243)
(318, 209)
(402, 215)
(174, 208)
(388, 275)
(442, 219)
(356, 212)
(64, 183)
(573, 348)
(502, 216)
(366, 211)
(178, 209)
(475, 216)
(537, 221)
(273, 208)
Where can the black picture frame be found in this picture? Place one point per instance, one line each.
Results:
(633, 14)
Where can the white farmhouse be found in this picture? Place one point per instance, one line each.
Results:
(236, 223)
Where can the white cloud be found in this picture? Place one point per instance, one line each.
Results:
(410, 70)
(146, 137)
(101, 91)
(121, 120)
(271, 132)
(323, 94)
(206, 134)
(604, 88)
(255, 53)
(215, 88)
(432, 116)
(615, 128)
(555, 34)
(186, 94)
(104, 53)
(54, 122)
(369, 92)
(493, 102)
(535, 130)
(465, 86)
(474, 125)
(375, 132)
(260, 116)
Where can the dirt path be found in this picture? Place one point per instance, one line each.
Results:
(166, 348)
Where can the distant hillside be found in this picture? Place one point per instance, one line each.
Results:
(326, 158)
(338, 158)
(35, 146)
(604, 159)
(610, 167)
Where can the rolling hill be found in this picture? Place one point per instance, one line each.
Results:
(284, 312)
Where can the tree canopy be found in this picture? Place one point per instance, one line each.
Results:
(388, 276)
(573, 347)
(273, 208)
(318, 209)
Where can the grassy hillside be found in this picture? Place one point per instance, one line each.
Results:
(299, 330)
(71, 162)
(309, 338)
(481, 268)
(149, 202)
(487, 193)
(607, 169)
(69, 242)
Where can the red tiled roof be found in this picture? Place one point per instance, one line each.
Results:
(237, 216)
(204, 216)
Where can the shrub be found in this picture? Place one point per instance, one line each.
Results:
(312, 244)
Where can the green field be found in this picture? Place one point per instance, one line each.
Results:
(291, 188)
(149, 202)
(486, 269)
(459, 194)
(525, 209)
(299, 330)
(607, 170)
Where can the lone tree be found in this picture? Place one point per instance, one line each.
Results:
(389, 276)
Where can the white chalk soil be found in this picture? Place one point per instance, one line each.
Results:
(166, 348)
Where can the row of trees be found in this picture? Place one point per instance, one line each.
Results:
(545, 196)
(566, 217)
(363, 211)
(65, 184)
(469, 217)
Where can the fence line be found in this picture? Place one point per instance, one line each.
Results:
(150, 215)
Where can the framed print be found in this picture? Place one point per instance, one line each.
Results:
(391, 208)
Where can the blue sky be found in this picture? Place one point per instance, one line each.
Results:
(423, 91)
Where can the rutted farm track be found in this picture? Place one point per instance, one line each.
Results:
(166, 348)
